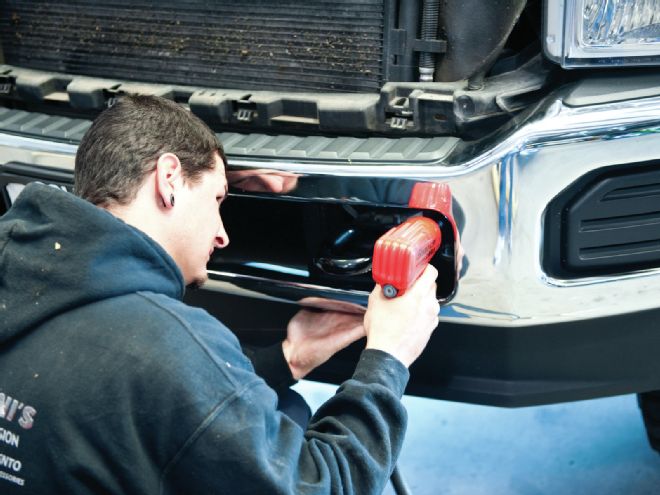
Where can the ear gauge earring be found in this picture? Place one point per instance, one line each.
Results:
(172, 200)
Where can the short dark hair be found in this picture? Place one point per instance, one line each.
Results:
(124, 142)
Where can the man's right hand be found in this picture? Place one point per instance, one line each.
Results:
(402, 326)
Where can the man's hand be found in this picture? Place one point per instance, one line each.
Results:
(315, 336)
(402, 326)
(263, 180)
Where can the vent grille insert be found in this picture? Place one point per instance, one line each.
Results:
(608, 222)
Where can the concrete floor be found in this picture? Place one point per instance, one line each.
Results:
(597, 446)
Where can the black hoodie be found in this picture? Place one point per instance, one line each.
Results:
(109, 384)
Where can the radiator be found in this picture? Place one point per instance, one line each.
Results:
(299, 45)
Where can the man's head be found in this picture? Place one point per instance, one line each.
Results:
(158, 167)
(121, 148)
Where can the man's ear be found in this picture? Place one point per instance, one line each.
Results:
(168, 178)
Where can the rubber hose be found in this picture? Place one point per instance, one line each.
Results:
(398, 483)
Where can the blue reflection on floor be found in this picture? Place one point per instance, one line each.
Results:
(597, 446)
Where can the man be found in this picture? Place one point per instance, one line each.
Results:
(109, 384)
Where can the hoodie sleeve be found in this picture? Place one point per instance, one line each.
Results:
(245, 446)
(270, 364)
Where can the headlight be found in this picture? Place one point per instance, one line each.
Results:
(581, 33)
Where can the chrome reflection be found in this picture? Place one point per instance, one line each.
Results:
(281, 291)
(262, 180)
(503, 176)
(278, 268)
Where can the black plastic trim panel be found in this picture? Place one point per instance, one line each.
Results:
(254, 145)
(607, 222)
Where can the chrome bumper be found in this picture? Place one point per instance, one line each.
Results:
(502, 185)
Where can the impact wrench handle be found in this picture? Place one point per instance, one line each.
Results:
(402, 253)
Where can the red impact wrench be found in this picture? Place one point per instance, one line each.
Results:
(402, 253)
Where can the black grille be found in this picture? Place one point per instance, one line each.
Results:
(308, 45)
(606, 223)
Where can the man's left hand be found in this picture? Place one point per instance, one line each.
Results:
(315, 336)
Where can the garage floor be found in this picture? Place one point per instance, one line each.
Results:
(597, 446)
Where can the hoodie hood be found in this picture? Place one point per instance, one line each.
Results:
(58, 252)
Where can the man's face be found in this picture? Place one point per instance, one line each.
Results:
(198, 226)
